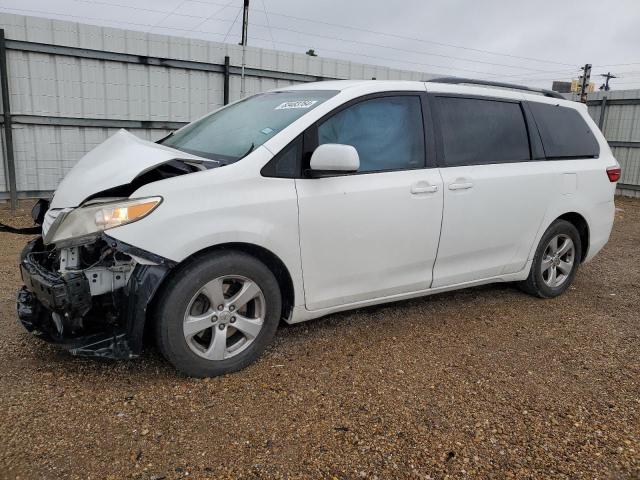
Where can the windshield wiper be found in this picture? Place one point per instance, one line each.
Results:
(248, 151)
(164, 138)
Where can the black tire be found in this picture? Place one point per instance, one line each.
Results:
(535, 283)
(178, 293)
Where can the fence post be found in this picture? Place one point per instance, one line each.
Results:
(226, 81)
(8, 133)
(603, 107)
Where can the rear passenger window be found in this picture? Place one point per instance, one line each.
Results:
(387, 132)
(564, 132)
(478, 131)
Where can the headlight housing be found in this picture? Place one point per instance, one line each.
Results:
(91, 219)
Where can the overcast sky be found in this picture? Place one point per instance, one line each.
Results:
(531, 42)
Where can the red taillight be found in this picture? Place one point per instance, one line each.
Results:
(613, 173)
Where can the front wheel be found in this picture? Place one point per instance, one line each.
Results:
(555, 262)
(218, 314)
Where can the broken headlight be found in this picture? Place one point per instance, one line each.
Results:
(90, 219)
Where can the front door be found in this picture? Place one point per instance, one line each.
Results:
(374, 233)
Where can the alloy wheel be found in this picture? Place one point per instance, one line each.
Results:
(557, 260)
(224, 317)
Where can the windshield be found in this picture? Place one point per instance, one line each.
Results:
(233, 132)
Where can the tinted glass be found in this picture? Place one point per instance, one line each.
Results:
(564, 132)
(387, 132)
(285, 163)
(476, 131)
(229, 134)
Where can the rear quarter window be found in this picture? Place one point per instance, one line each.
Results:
(564, 132)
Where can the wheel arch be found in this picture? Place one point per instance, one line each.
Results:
(581, 224)
(270, 259)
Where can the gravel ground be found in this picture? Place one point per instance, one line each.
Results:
(481, 383)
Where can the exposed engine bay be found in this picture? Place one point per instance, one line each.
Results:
(94, 274)
(172, 168)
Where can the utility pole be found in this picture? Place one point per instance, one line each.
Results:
(608, 76)
(586, 76)
(245, 27)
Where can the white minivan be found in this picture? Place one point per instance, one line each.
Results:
(309, 200)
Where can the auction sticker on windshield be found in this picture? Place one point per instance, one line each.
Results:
(296, 104)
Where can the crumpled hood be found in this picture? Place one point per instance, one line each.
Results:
(115, 162)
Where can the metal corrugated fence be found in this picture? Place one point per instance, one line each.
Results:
(617, 113)
(71, 85)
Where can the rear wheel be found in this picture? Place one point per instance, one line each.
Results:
(218, 314)
(555, 262)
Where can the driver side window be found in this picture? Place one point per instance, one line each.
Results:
(387, 132)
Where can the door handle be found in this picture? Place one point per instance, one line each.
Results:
(460, 186)
(423, 188)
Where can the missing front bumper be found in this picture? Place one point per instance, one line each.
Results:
(60, 308)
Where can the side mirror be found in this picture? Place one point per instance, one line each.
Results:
(334, 158)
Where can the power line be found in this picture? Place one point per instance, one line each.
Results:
(558, 76)
(555, 72)
(226, 35)
(232, 24)
(633, 82)
(535, 80)
(179, 14)
(416, 52)
(174, 12)
(386, 59)
(168, 14)
(329, 37)
(141, 9)
(605, 65)
(403, 37)
(525, 77)
(269, 27)
(81, 17)
(213, 14)
(551, 79)
(119, 22)
(266, 16)
(597, 70)
(195, 30)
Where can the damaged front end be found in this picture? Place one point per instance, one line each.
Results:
(91, 299)
(83, 289)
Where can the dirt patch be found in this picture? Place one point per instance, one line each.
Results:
(486, 382)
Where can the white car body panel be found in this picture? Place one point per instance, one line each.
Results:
(368, 236)
(593, 195)
(225, 205)
(357, 240)
(302, 314)
(475, 245)
(116, 161)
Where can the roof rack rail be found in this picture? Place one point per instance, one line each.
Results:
(471, 81)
